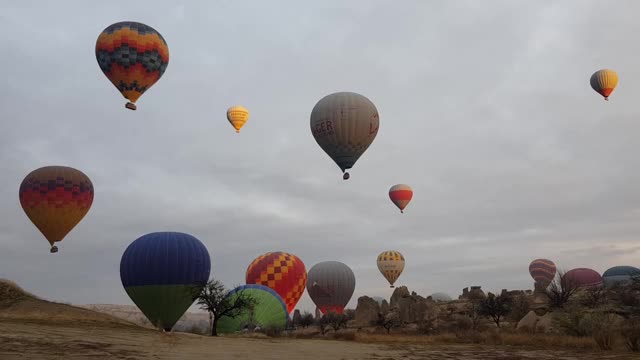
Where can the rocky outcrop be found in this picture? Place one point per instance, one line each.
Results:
(366, 311)
(474, 293)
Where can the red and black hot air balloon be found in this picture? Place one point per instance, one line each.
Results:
(56, 198)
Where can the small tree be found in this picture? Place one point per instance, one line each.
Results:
(496, 307)
(387, 321)
(213, 298)
(561, 290)
(335, 320)
(306, 319)
(323, 324)
(520, 307)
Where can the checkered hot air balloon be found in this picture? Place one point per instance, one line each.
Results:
(543, 271)
(283, 272)
(391, 263)
(56, 198)
(401, 195)
(133, 56)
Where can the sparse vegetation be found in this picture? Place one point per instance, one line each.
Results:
(520, 307)
(387, 321)
(306, 320)
(630, 330)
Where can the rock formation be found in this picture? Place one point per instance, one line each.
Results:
(366, 311)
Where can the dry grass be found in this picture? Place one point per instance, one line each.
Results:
(486, 338)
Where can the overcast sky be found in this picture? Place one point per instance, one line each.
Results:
(485, 110)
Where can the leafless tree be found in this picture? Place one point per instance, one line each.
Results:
(495, 307)
(213, 298)
(561, 290)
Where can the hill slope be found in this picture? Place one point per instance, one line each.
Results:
(18, 305)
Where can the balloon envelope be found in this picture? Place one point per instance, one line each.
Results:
(391, 263)
(401, 195)
(330, 285)
(344, 124)
(56, 198)
(283, 272)
(604, 82)
(619, 275)
(163, 273)
(270, 310)
(441, 297)
(237, 116)
(543, 271)
(133, 56)
(583, 277)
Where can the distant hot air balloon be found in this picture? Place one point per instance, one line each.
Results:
(619, 275)
(237, 116)
(391, 264)
(133, 56)
(583, 278)
(56, 198)
(401, 195)
(283, 272)
(269, 312)
(440, 297)
(604, 82)
(330, 285)
(344, 124)
(543, 271)
(163, 273)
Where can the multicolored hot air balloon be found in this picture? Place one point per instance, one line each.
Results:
(270, 310)
(401, 195)
(619, 275)
(344, 124)
(330, 285)
(583, 278)
(391, 264)
(56, 198)
(163, 273)
(543, 271)
(604, 82)
(237, 116)
(283, 272)
(133, 56)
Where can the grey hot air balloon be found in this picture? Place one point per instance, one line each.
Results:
(344, 124)
(330, 285)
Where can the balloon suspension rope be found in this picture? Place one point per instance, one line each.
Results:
(130, 106)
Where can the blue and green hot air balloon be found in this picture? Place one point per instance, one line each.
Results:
(163, 273)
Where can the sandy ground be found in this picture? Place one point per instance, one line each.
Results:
(42, 340)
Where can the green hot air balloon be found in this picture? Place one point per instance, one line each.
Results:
(344, 124)
(269, 311)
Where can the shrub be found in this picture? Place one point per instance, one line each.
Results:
(603, 329)
(630, 331)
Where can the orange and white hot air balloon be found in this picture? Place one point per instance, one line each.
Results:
(604, 82)
(237, 116)
(391, 263)
(401, 195)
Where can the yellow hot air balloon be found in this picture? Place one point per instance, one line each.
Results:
(237, 116)
(391, 264)
(604, 81)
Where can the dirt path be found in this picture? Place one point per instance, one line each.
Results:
(20, 340)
